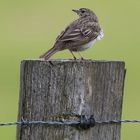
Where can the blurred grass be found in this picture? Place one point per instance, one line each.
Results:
(28, 28)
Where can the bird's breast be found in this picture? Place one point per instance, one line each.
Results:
(88, 45)
(84, 46)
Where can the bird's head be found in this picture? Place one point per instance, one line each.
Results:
(83, 12)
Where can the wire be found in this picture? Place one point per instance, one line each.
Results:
(65, 122)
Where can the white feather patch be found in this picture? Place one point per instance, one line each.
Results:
(101, 35)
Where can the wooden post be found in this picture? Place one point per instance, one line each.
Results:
(58, 90)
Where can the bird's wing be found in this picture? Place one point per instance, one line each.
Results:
(70, 34)
(78, 33)
(91, 30)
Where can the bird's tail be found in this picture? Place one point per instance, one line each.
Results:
(49, 53)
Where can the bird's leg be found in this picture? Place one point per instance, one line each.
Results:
(72, 54)
(81, 56)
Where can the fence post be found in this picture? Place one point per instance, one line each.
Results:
(59, 90)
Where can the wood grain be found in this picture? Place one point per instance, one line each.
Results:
(62, 89)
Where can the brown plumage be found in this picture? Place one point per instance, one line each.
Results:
(81, 34)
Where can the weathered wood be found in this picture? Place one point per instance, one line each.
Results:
(62, 89)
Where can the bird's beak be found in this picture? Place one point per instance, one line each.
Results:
(76, 11)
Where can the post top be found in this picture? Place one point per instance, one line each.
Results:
(72, 60)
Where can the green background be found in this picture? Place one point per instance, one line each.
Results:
(29, 27)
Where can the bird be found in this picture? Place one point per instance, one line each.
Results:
(79, 35)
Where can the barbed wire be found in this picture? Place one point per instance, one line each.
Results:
(65, 123)
(90, 122)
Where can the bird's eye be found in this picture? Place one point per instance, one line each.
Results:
(82, 11)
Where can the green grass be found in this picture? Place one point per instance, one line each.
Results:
(28, 28)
